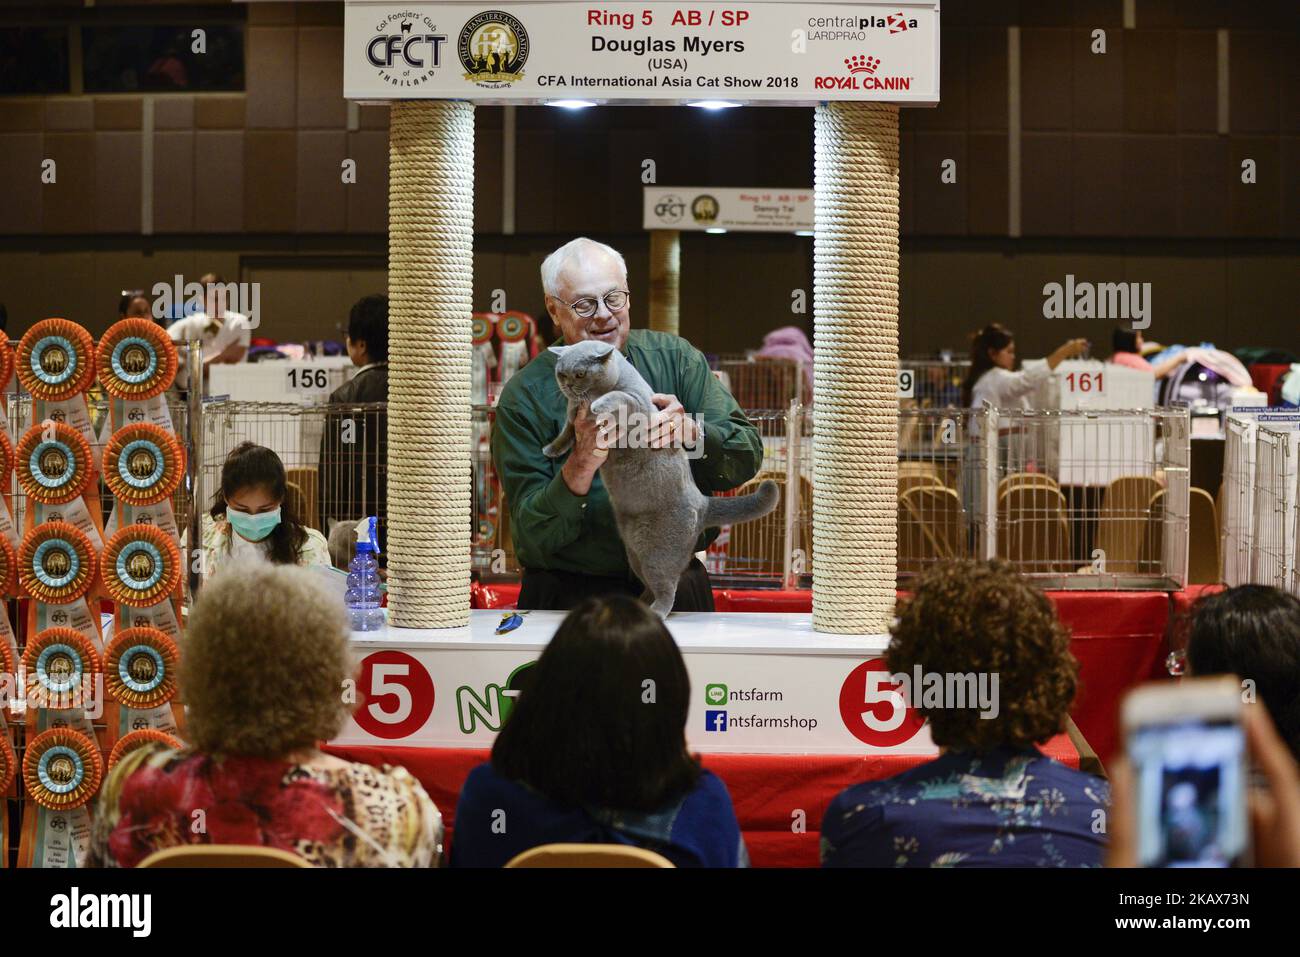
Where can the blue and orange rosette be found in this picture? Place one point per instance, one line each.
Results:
(6, 362)
(143, 464)
(140, 668)
(60, 665)
(8, 667)
(139, 739)
(7, 459)
(56, 563)
(56, 360)
(8, 764)
(480, 329)
(54, 462)
(141, 566)
(137, 360)
(62, 769)
(513, 326)
(8, 570)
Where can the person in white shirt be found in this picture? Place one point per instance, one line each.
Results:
(993, 374)
(225, 335)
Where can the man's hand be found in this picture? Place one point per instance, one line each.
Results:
(590, 449)
(671, 425)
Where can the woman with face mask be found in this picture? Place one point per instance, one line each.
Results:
(251, 519)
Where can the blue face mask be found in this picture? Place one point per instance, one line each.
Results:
(254, 528)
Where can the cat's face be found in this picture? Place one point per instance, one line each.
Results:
(585, 370)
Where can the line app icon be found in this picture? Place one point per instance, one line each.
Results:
(715, 694)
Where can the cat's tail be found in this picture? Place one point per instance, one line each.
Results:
(731, 509)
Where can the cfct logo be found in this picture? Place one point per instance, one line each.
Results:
(398, 695)
(410, 48)
(670, 208)
(873, 708)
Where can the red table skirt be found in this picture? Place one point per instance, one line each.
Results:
(779, 799)
(1119, 638)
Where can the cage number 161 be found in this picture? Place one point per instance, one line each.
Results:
(1089, 383)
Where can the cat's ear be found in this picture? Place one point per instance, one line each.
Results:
(604, 354)
(559, 350)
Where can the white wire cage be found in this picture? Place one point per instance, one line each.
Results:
(1273, 520)
(1097, 499)
(1237, 499)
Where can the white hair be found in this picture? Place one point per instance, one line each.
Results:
(555, 263)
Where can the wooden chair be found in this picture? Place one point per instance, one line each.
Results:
(307, 482)
(1122, 521)
(936, 510)
(589, 855)
(222, 855)
(1033, 528)
(908, 481)
(1027, 478)
(1203, 566)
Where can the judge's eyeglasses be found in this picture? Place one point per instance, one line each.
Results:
(588, 306)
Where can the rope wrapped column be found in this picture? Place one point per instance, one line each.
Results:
(665, 279)
(430, 275)
(855, 282)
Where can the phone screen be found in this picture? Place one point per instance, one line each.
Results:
(1191, 783)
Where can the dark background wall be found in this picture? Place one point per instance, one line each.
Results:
(1129, 170)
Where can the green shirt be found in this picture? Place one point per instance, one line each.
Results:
(554, 529)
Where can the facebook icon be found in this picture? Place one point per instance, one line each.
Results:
(715, 721)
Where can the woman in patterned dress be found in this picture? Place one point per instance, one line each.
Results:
(264, 662)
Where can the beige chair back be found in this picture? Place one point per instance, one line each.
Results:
(588, 855)
(1203, 566)
(1026, 478)
(1033, 528)
(1123, 520)
(222, 855)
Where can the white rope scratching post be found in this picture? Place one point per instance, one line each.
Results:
(855, 295)
(665, 279)
(430, 276)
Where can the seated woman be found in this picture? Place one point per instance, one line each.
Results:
(265, 655)
(1253, 631)
(594, 751)
(991, 798)
(251, 517)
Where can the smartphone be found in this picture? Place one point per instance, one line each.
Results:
(1188, 750)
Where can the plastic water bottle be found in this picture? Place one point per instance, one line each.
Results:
(362, 596)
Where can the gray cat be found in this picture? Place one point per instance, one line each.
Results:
(659, 511)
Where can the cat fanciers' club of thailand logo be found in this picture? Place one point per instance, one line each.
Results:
(406, 50)
(493, 48)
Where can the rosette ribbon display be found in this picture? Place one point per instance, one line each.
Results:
(56, 563)
(139, 739)
(62, 769)
(54, 463)
(140, 668)
(137, 360)
(143, 464)
(56, 360)
(141, 566)
(60, 666)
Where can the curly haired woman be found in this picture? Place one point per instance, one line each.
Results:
(263, 669)
(991, 798)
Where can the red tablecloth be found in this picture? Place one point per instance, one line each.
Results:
(1119, 638)
(768, 791)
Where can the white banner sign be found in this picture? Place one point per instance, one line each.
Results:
(761, 51)
(742, 210)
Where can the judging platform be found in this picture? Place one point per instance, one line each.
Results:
(786, 716)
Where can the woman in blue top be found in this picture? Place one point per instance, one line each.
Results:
(594, 752)
(991, 798)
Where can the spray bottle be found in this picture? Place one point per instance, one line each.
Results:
(363, 597)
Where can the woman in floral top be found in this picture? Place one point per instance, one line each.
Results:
(991, 798)
(264, 658)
